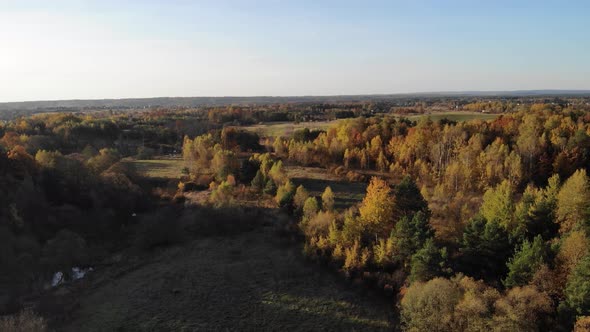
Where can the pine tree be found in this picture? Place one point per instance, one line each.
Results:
(526, 262)
(408, 198)
(577, 291)
(484, 248)
(428, 262)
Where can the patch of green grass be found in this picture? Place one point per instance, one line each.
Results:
(159, 168)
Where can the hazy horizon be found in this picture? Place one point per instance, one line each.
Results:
(109, 50)
(534, 92)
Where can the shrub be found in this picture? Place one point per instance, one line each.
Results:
(65, 250)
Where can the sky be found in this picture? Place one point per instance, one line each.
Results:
(51, 50)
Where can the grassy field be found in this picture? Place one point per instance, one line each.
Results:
(170, 168)
(253, 281)
(315, 180)
(456, 116)
(285, 129)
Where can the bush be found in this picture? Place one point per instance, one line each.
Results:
(66, 250)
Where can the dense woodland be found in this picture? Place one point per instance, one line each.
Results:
(471, 225)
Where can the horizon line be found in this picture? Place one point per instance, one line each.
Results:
(522, 92)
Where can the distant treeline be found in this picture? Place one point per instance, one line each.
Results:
(14, 109)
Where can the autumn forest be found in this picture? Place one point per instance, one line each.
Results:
(437, 213)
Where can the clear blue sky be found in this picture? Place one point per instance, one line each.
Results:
(116, 49)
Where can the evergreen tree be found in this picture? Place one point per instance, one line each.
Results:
(428, 262)
(526, 262)
(484, 248)
(408, 198)
(403, 235)
(410, 235)
(541, 216)
(577, 291)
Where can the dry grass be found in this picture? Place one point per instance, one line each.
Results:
(315, 180)
(252, 281)
(170, 168)
(286, 129)
(455, 116)
(26, 321)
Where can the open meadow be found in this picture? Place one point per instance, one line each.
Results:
(161, 168)
(286, 129)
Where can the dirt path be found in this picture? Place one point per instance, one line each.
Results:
(246, 282)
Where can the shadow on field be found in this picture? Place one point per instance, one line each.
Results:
(232, 269)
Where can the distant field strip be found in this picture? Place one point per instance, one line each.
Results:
(286, 129)
(456, 116)
(159, 168)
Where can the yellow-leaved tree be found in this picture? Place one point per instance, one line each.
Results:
(573, 202)
(376, 210)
